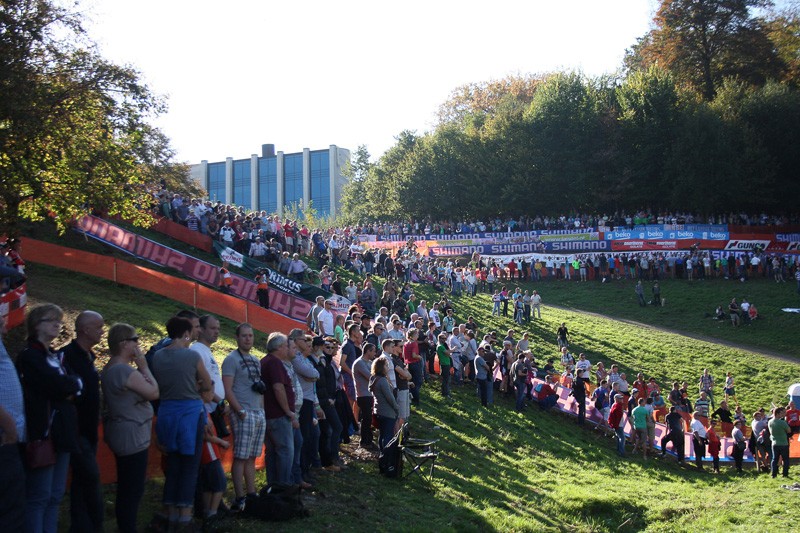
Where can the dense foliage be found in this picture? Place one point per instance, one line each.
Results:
(680, 130)
(74, 131)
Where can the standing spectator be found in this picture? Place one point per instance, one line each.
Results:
(482, 370)
(445, 364)
(779, 430)
(49, 390)
(128, 418)
(739, 445)
(12, 429)
(182, 377)
(412, 357)
(330, 427)
(562, 335)
(519, 374)
(386, 407)
(640, 294)
(86, 503)
(699, 433)
(536, 305)
(244, 390)
(279, 400)
(308, 376)
(579, 393)
(325, 320)
(208, 334)
(639, 415)
(615, 421)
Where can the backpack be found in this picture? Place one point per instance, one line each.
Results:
(276, 503)
(390, 461)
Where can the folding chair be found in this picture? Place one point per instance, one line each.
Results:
(419, 453)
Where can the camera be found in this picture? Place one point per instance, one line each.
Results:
(258, 387)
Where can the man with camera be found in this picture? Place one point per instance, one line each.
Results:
(244, 390)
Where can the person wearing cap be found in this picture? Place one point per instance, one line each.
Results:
(258, 250)
(615, 421)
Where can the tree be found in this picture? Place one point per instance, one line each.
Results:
(354, 193)
(703, 41)
(73, 127)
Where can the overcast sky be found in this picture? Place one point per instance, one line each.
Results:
(307, 74)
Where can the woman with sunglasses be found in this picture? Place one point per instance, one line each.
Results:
(49, 390)
(128, 418)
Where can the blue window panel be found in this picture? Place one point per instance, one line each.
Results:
(292, 179)
(241, 183)
(216, 182)
(268, 184)
(320, 182)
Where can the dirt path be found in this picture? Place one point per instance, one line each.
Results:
(760, 351)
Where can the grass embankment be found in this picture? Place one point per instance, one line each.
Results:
(500, 470)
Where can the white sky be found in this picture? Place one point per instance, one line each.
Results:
(307, 74)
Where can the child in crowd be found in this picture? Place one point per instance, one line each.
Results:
(212, 477)
(729, 390)
(496, 303)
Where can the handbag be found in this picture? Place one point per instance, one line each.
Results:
(41, 453)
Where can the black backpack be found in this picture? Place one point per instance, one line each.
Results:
(390, 461)
(276, 503)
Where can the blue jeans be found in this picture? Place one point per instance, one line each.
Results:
(280, 450)
(329, 442)
(386, 427)
(44, 489)
(483, 385)
(490, 389)
(779, 451)
(620, 432)
(520, 386)
(180, 479)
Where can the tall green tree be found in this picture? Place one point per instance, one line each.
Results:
(74, 132)
(703, 41)
(354, 193)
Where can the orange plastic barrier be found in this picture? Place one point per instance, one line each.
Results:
(187, 292)
(181, 233)
(12, 306)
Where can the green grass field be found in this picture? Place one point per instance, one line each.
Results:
(500, 470)
(504, 471)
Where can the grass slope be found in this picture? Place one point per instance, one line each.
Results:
(500, 470)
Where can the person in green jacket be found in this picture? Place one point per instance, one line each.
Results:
(780, 432)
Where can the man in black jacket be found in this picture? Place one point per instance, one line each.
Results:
(86, 504)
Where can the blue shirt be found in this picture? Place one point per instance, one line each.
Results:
(11, 392)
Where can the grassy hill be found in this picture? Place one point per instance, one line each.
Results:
(500, 470)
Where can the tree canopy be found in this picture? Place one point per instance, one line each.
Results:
(702, 118)
(74, 131)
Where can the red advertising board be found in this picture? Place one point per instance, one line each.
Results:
(665, 245)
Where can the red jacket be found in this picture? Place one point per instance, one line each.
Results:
(615, 416)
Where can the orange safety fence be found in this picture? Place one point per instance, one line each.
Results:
(181, 233)
(184, 291)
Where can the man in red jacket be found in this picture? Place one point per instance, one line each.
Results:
(615, 421)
